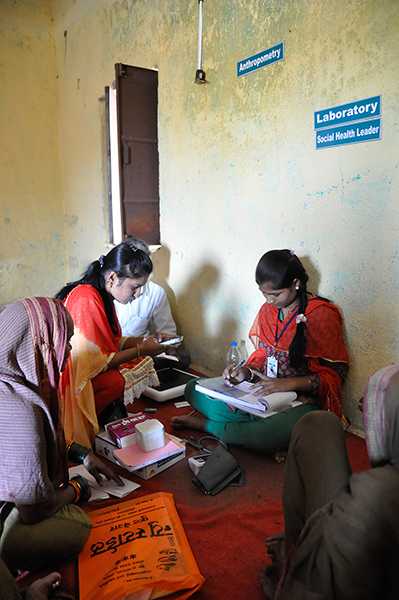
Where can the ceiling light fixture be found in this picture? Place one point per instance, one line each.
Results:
(200, 76)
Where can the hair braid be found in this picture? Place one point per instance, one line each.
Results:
(298, 345)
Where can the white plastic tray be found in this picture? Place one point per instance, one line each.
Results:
(169, 393)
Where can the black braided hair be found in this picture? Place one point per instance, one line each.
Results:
(280, 268)
(298, 345)
(124, 261)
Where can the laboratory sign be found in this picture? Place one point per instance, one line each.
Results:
(349, 123)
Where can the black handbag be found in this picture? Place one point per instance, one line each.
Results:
(219, 470)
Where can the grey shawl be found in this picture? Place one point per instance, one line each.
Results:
(349, 549)
(28, 436)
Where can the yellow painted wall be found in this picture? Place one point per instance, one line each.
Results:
(239, 174)
(31, 221)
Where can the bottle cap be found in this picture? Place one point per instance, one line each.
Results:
(233, 343)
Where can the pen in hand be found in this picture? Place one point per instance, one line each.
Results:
(236, 368)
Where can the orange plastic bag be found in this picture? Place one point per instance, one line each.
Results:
(137, 550)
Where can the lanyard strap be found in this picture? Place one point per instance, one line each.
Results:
(277, 335)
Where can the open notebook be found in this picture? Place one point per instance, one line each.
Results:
(248, 397)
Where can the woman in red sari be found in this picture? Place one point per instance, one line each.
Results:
(299, 347)
(104, 369)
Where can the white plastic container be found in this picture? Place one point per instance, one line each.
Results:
(150, 435)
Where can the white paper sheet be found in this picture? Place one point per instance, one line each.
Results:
(102, 492)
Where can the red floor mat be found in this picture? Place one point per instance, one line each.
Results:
(227, 532)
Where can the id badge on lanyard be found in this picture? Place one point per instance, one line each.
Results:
(272, 362)
(272, 366)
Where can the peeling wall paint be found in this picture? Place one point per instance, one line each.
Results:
(31, 227)
(238, 170)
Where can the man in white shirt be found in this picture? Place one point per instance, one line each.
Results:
(149, 313)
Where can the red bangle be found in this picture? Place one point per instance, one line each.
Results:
(77, 489)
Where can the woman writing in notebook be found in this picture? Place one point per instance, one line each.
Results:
(299, 347)
(103, 365)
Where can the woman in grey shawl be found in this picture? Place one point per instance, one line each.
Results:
(39, 522)
(341, 530)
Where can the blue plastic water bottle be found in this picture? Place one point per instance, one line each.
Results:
(233, 357)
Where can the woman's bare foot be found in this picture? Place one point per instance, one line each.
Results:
(196, 421)
(269, 582)
(44, 588)
(276, 548)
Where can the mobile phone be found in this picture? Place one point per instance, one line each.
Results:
(173, 341)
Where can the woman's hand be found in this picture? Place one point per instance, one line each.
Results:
(164, 337)
(270, 385)
(98, 468)
(135, 348)
(233, 376)
(150, 346)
